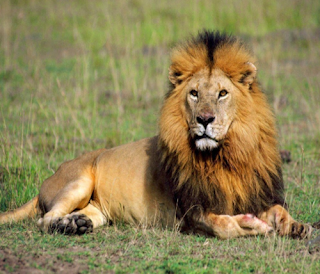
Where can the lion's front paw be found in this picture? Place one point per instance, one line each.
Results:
(293, 229)
(300, 231)
(72, 224)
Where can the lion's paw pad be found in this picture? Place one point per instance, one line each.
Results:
(72, 224)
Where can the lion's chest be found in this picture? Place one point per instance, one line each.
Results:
(222, 192)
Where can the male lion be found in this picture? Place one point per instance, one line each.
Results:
(213, 169)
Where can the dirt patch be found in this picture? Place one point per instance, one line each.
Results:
(14, 262)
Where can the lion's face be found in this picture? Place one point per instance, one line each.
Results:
(210, 107)
(209, 97)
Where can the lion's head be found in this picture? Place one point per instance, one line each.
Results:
(213, 83)
(217, 132)
(211, 106)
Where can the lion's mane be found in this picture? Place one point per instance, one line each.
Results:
(243, 175)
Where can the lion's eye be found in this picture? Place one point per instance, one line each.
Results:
(223, 93)
(194, 93)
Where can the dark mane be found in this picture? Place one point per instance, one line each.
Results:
(212, 41)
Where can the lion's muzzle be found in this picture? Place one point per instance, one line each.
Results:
(205, 119)
(204, 132)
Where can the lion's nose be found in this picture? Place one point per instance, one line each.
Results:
(205, 119)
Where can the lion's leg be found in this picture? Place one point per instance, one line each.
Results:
(225, 226)
(75, 195)
(284, 224)
(79, 222)
(95, 215)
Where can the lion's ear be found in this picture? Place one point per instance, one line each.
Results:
(249, 74)
(174, 76)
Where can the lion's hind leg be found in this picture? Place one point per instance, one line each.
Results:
(73, 196)
(79, 222)
(284, 224)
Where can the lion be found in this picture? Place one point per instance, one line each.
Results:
(213, 169)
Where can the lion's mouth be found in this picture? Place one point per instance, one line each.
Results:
(199, 137)
(205, 142)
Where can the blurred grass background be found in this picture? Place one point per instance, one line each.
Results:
(81, 75)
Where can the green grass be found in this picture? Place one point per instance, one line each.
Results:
(81, 75)
(127, 249)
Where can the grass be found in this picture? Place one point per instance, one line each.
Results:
(127, 249)
(81, 75)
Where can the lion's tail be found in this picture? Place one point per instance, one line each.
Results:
(28, 210)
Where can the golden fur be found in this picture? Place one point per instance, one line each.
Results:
(214, 168)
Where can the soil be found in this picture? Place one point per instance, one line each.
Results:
(11, 262)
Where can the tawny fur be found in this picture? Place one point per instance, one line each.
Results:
(213, 169)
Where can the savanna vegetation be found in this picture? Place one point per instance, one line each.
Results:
(80, 75)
